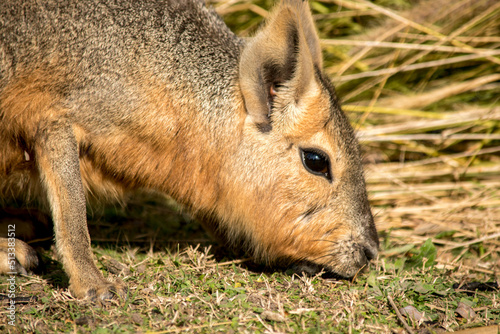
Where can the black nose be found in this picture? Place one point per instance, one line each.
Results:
(370, 252)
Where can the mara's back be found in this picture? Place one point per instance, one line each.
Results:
(172, 40)
(116, 69)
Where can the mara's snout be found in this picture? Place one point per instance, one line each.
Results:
(344, 257)
(319, 238)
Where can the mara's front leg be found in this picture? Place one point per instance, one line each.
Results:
(56, 154)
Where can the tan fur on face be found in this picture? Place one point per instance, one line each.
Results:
(271, 214)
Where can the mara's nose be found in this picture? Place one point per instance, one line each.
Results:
(370, 251)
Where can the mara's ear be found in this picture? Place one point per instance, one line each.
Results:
(307, 28)
(283, 54)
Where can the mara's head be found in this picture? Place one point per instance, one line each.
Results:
(297, 195)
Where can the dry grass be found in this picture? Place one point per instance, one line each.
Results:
(420, 82)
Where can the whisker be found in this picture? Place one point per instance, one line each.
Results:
(322, 256)
(326, 240)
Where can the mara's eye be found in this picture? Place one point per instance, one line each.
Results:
(316, 162)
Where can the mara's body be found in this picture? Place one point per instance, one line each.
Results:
(103, 97)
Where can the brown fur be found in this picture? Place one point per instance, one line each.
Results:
(25, 256)
(188, 110)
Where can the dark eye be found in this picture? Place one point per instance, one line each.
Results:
(316, 162)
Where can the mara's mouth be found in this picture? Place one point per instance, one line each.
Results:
(346, 264)
(342, 272)
(337, 268)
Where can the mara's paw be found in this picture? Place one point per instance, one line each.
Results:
(99, 290)
(16, 256)
(108, 291)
